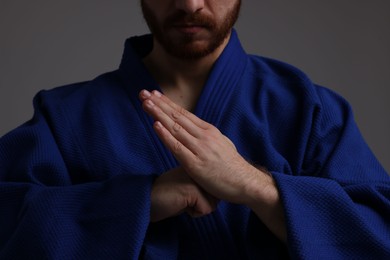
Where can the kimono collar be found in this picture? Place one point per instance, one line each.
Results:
(223, 79)
(224, 76)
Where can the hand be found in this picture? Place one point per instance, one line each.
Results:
(208, 156)
(212, 161)
(174, 192)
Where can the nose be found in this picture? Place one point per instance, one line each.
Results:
(190, 6)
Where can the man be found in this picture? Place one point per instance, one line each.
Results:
(241, 157)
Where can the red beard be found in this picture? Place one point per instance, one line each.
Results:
(190, 44)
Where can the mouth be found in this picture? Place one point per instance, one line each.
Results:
(189, 28)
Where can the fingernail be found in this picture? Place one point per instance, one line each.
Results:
(157, 93)
(149, 103)
(146, 93)
(158, 124)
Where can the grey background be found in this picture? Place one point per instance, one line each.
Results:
(344, 45)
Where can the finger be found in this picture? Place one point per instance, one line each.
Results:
(170, 117)
(205, 205)
(173, 127)
(178, 115)
(157, 97)
(178, 149)
(196, 120)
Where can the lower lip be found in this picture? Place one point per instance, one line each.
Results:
(189, 29)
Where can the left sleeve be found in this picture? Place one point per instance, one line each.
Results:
(338, 206)
(53, 208)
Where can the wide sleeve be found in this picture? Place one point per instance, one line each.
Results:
(338, 206)
(45, 215)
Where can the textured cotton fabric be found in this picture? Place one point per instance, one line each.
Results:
(75, 180)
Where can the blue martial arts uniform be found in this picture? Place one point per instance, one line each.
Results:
(75, 180)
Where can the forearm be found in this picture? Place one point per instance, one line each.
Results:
(262, 196)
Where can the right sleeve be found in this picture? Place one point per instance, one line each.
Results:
(45, 216)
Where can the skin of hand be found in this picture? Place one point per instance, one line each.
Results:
(212, 161)
(174, 192)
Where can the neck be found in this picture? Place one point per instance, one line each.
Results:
(181, 78)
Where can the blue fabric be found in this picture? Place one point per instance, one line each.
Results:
(75, 180)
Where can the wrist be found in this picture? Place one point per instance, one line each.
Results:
(261, 190)
(264, 199)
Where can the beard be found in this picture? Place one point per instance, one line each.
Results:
(189, 46)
